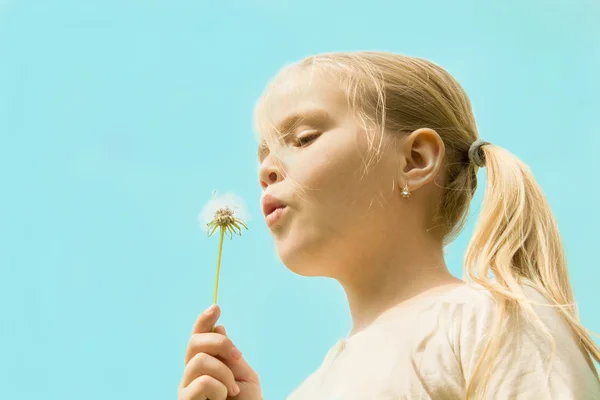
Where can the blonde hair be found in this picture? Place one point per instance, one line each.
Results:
(516, 239)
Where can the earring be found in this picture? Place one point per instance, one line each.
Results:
(405, 192)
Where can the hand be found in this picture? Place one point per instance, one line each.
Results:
(214, 368)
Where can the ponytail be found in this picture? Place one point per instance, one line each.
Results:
(517, 241)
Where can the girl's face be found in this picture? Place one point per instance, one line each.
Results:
(337, 213)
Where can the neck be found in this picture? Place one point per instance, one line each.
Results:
(393, 276)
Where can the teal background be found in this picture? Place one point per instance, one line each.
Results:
(119, 118)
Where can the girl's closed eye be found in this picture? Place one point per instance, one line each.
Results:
(303, 141)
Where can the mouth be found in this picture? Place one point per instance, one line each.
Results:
(272, 208)
(270, 204)
(275, 216)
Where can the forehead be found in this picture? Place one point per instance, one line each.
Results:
(297, 95)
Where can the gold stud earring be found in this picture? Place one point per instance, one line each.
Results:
(405, 192)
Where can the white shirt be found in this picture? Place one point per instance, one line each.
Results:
(423, 349)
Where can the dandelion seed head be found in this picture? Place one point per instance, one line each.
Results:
(227, 210)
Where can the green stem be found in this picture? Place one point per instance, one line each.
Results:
(218, 266)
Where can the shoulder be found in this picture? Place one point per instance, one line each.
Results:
(535, 353)
(469, 295)
(477, 309)
(476, 314)
(477, 306)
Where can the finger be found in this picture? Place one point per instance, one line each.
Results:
(214, 344)
(205, 364)
(236, 354)
(207, 319)
(220, 329)
(203, 388)
(242, 371)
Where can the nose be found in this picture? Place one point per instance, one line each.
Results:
(269, 173)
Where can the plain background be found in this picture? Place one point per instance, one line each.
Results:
(119, 118)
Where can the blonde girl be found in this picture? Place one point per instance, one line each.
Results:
(368, 164)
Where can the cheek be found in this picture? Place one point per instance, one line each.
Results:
(333, 217)
(332, 195)
(328, 193)
(331, 170)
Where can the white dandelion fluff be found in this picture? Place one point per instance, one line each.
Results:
(224, 210)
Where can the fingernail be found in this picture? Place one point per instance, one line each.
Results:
(235, 390)
(236, 353)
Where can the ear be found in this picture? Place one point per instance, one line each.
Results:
(424, 152)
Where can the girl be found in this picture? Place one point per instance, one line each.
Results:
(368, 164)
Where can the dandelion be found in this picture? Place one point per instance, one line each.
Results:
(228, 214)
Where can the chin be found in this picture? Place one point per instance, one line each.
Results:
(299, 258)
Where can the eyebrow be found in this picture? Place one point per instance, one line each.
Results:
(316, 117)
